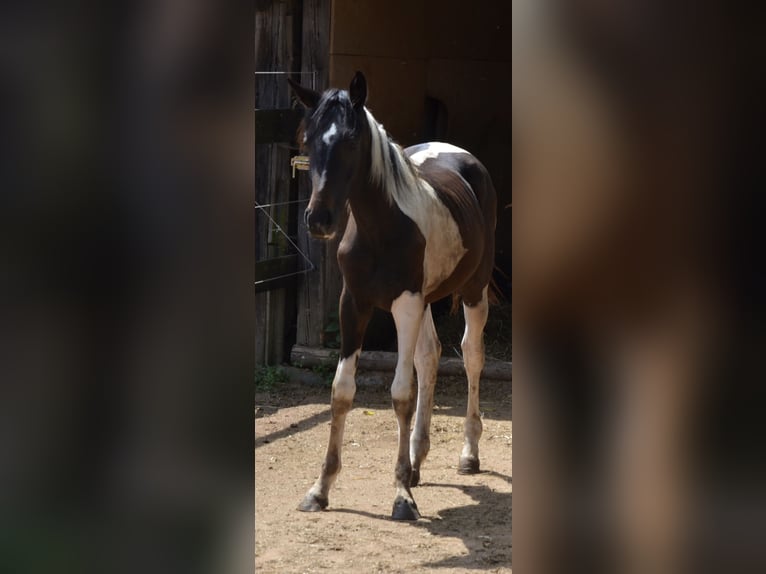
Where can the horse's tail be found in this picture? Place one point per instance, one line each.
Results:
(494, 294)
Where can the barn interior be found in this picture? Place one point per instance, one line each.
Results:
(436, 71)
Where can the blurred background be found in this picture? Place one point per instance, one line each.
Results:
(126, 329)
(638, 287)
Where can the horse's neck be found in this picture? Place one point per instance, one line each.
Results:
(371, 207)
(372, 204)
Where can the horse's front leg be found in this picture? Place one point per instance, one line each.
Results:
(407, 310)
(353, 322)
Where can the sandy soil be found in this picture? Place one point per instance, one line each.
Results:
(466, 523)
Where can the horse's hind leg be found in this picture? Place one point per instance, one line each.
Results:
(427, 353)
(353, 322)
(473, 359)
(407, 310)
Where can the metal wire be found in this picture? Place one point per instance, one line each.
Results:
(263, 205)
(298, 249)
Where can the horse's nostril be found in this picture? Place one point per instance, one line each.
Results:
(306, 214)
(319, 221)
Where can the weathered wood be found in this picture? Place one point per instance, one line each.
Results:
(276, 126)
(274, 52)
(316, 299)
(315, 56)
(385, 361)
(261, 356)
(275, 273)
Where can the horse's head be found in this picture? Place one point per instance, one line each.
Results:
(335, 135)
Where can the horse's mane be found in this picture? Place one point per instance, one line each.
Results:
(390, 167)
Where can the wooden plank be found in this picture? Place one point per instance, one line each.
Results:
(274, 52)
(385, 361)
(276, 126)
(275, 267)
(314, 304)
(260, 329)
(315, 56)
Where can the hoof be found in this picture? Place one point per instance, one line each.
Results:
(414, 478)
(313, 503)
(404, 510)
(468, 466)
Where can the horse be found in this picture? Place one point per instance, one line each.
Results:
(419, 226)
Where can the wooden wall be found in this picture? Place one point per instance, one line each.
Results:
(318, 291)
(278, 41)
(454, 52)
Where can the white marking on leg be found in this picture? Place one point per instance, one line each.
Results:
(344, 385)
(328, 136)
(343, 390)
(473, 358)
(407, 310)
(433, 150)
(427, 353)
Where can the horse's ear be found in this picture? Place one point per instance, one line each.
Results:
(306, 96)
(358, 90)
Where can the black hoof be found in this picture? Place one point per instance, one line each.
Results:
(468, 466)
(414, 478)
(404, 510)
(313, 503)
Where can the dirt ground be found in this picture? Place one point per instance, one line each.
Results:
(466, 520)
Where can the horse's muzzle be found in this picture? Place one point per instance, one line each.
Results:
(320, 222)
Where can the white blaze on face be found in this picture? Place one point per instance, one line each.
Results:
(318, 181)
(330, 134)
(433, 150)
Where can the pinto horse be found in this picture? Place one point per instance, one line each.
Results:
(420, 227)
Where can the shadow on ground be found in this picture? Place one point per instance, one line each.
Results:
(470, 523)
(301, 426)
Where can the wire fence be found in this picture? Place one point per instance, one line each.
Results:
(275, 227)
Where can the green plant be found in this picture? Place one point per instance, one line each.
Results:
(326, 370)
(268, 377)
(332, 331)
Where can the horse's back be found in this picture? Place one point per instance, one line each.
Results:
(437, 158)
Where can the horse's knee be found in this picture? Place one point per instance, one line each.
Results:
(473, 355)
(344, 384)
(343, 391)
(403, 388)
(427, 366)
